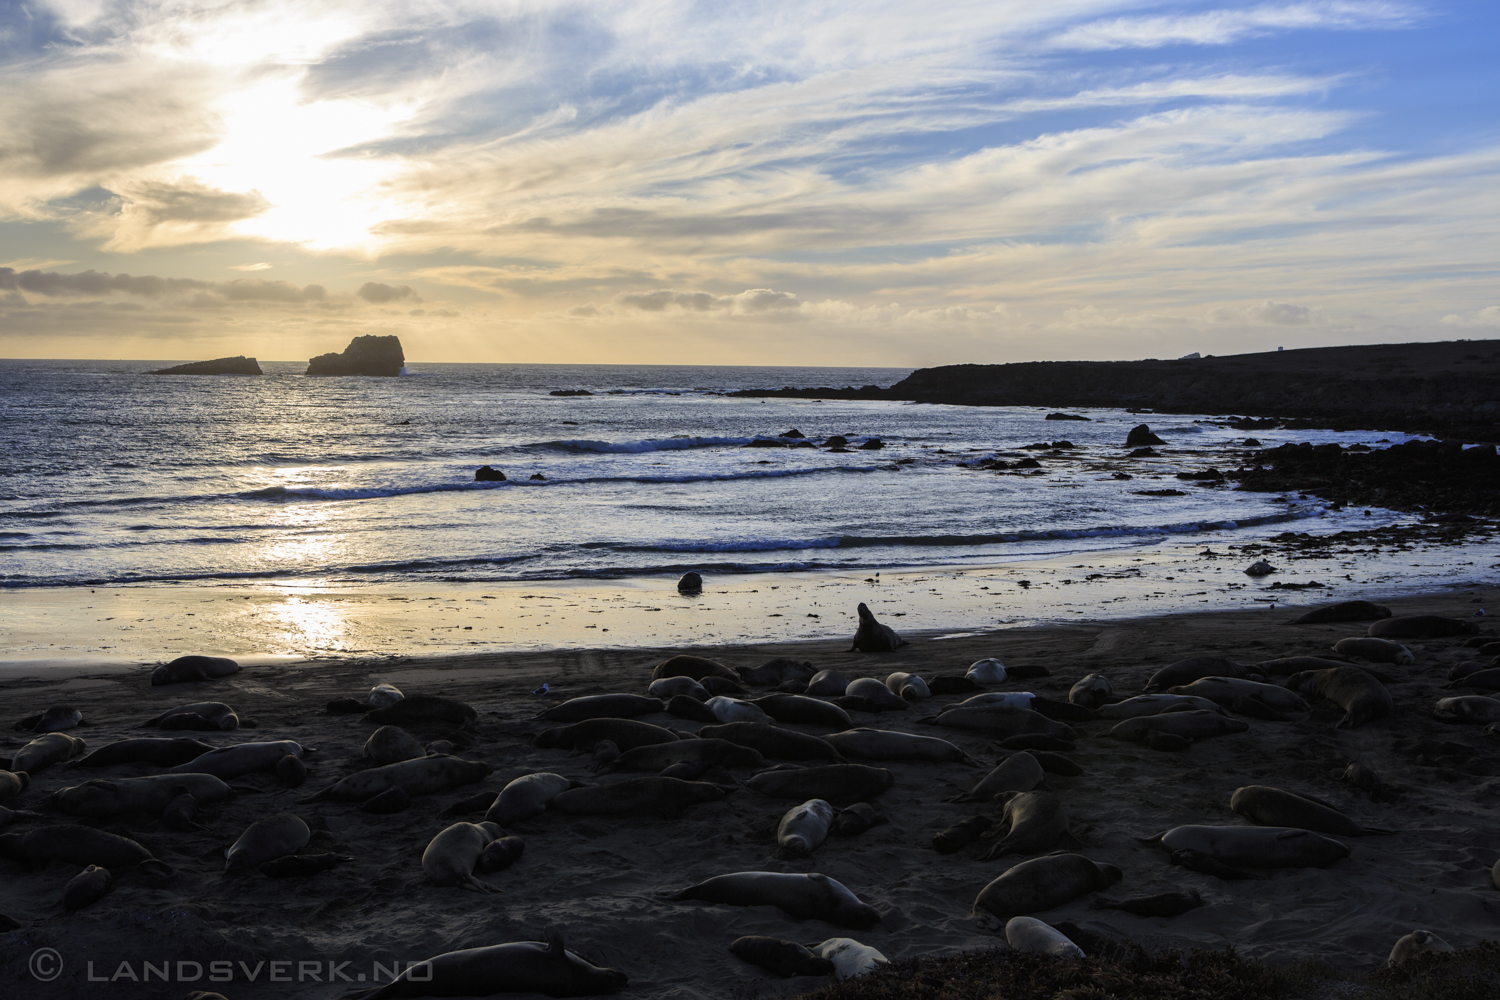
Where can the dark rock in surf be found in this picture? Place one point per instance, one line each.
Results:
(570, 392)
(874, 444)
(485, 474)
(369, 355)
(1140, 436)
(237, 365)
(1064, 416)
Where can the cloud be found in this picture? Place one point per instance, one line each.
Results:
(378, 292)
(160, 214)
(1488, 316)
(53, 284)
(1221, 27)
(262, 266)
(751, 302)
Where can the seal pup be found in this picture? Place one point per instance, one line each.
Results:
(1229, 691)
(778, 671)
(602, 706)
(1366, 779)
(986, 671)
(1031, 934)
(44, 751)
(1266, 806)
(773, 741)
(908, 686)
(1375, 650)
(391, 745)
(1020, 772)
(804, 896)
(501, 853)
(161, 751)
(54, 720)
(885, 744)
(1162, 904)
(839, 784)
(873, 637)
(696, 667)
(1421, 627)
(384, 696)
(849, 957)
(671, 687)
(291, 771)
(855, 820)
(13, 783)
(627, 734)
(87, 888)
(80, 845)
(240, 759)
(874, 691)
(804, 828)
(784, 958)
(1254, 846)
(667, 796)
(522, 967)
(527, 797)
(1030, 822)
(193, 668)
(799, 709)
(105, 798)
(1348, 611)
(1155, 704)
(827, 682)
(1362, 697)
(422, 708)
(1040, 884)
(1199, 862)
(1414, 944)
(960, 835)
(1091, 691)
(206, 715)
(450, 857)
(266, 840)
(727, 710)
(180, 812)
(414, 777)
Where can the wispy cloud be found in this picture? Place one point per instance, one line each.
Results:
(1225, 26)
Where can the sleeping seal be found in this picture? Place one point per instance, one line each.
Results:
(87, 887)
(1348, 611)
(627, 734)
(785, 958)
(207, 715)
(1001, 721)
(1421, 627)
(1030, 934)
(527, 796)
(1266, 806)
(840, 784)
(1414, 944)
(1091, 691)
(986, 671)
(1255, 846)
(908, 686)
(1362, 696)
(384, 696)
(193, 668)
(1154, 704)
(666, 795)
(44, 751)
(161, 751)
(727, 710)
(519, 967)
(849, 957)
(873, 637)
(1040, 884)
(799, 709)
(1226, 691)
(804, 897)
(54, 720)
(105, 798)
(1194, 725)
(804, 827)
(423, 708)
(241, 759)
(13, 783)
(773, 741)
(884, 744)
(827, 682)
(451, 855)
(602, 706)
(1020, 772)
(392, 745)
(266, 840)
(670, 687)
(79, 845)
(1474, 708)
(1375, 650)
(1030, 823)
(1188, 670)
(710, 752)
(875, 692)
(415, 777)
(696, 667)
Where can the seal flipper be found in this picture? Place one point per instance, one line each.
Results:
(470, 882)
(316, 797)
(156, 867)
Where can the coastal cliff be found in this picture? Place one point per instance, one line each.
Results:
(364, 356)
(237, 365)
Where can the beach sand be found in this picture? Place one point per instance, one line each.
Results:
(599, 879)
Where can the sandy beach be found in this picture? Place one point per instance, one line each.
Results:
(599, 878)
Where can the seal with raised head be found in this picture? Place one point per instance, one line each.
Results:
(44, 751)
(1414, 944)
(105, 798)
(1091, 691)
(671, 687)
(873, 637)
(1362, 697)
(886, 744)
(1040, 884)
(1266, 806)
(211, 716)
(627, 734)
(1020, 772)
(1255, 846)
(784, 958)
(1031, 934)
(840, 784)
(805, 897)
(451, 855)
(527, 796)
(266, 840)
(240, 759)
(667, 796)
(1030, 822)
(802, 710)
(391, 745)
(1375, 650)
(773, 741)
(421, 708)
(158, 750)
(87, 888)
(1348, 611)
(804, 827)
(602, 706)
(80, 845)
(426, 776)
(696, 667)
(521, 967)
(193, 668)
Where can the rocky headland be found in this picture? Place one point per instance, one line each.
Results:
(237, 365)
(381, 356)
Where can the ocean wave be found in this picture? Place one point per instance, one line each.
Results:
(636, 447)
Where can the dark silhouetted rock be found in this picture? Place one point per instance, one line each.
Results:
(1251, 443)
(1140, 435)
(794, 433)
(1145, 453)
(485, 474)
(874, 444)
(837, 441)
(766, 443)
(1260, 568)
(363, 356)
(691, 583)
(538, 475)
(237, 365)
(1065, 416)
(570, 392)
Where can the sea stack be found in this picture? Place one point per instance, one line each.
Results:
(363, 356)
(237, 365)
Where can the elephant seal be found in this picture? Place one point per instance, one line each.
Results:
(291, 771)
(1255, 846)
(1414, 944)
(1366, 779)
(1473, 708)
(690, 583)
(243, 758)
(602, 706)
(1188, 670)
(801, 710)
(105, 798)
(521, 966)
(1002, 721)
(392, 745)
(709, 752)
(804, 897)
(44, 751)
(855, 820)
(1375, 650)
(1035, 741)
(13, 783)
(1266, 806)
(1030, 934)
(501, 854)
(451, 855)
(1020, 772)
(87, 888)
(1362, 697)
(1286, 666)
(1486, 680)
(827, 682)
(1227, 691)
(420, 708)
(1008, 699)
(908, 686)
(884, 744)
(784, 958)
(1348, 611)
(941, 685)
(836, 783)
(1056, 763)
(1030, 823)
(266, 840)
(778, 671)
(1199, 862)
(961, 834)
(1062, 711)
(724, 686)
(849, 957)
(687, 707)
(527, 797)
(671, 687)
(987, 671)
(873, 637)
(726, 710)
(1155, 704)
(302, 865)
(388, 802)
(213, 716)
(1162, 904)
(415, 777)
(1192, 725)
(773, 741)
(1421, 627)
(1040, 884)
(874, 691)
(156, 750)
(80, 845)
(179, 813)
(1091, 691)
(54, 720)
(667, 796)
(193, 668)
(627, 734)
(384, 696)
(696, 667)
(804, 827)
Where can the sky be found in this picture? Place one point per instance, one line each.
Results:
(808, 183)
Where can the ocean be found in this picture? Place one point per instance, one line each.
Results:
(116, 477)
